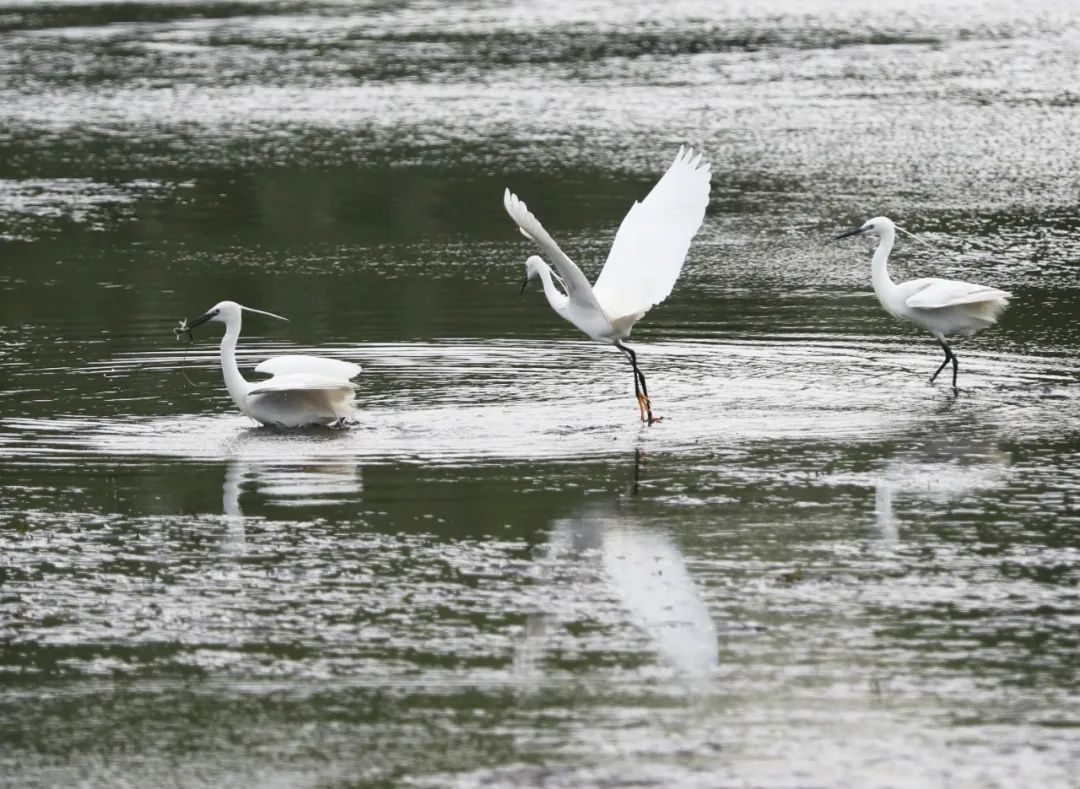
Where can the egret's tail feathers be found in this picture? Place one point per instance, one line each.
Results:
(982, 314)
(343, 404)
(990, 309)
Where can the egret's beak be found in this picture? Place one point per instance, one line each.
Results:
(524, 283)
(264, 312)
(199, 321)
(854, 232)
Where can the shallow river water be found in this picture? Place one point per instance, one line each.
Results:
(817, 570)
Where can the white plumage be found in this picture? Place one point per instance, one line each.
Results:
(653, 239)
(944, 307)
(304, 390)
(312, 365)
(642, 266)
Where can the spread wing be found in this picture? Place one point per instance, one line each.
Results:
(577, 286)
(937, 293)
(653, 239)
(312, 365)
(301, 382)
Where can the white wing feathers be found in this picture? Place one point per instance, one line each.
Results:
(313, 365)
(653, 239)
(939, 293)
(304, 374)
(300, 382)
(575, 282)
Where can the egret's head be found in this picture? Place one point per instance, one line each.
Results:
(878, 226)
(227, 312)
(532, 269)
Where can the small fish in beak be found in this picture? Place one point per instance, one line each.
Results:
(183, 330)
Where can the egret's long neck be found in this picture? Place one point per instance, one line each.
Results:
(883, 284)
(234, 382)
(558, 300)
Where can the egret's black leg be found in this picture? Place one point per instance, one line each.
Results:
(637, 386)
(948, 357)
(640, 389)
(633, 361)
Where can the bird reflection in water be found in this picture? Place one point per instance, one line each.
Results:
(290, 485)
(601, 549)
(940, 468)
(235, 535)
(312, 477)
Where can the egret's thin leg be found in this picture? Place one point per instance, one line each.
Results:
(637, 387)
(949, 356)
(645, 392)
(640, 390)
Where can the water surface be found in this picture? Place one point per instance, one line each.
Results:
(818, 570)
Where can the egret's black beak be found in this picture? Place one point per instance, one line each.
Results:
(854, 232)
(524, 283)
(200, 320)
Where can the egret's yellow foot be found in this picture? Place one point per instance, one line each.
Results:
(646, 410)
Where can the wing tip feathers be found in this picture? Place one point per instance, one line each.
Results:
(519, 212)
(694, 162)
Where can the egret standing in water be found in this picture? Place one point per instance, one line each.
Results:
(304, 391)
(941, 306)
(642, 266)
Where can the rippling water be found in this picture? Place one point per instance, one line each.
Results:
(817, 570)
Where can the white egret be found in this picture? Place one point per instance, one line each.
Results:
(304, 390)
(943, 307)
(642, 266)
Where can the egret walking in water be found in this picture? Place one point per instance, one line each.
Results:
(943, 307)
(642, 266)
(304, 390)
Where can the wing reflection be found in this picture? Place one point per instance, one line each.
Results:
(649, 574)
(643, 566)
(883, 511)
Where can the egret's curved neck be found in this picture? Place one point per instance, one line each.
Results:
(883, 283)
(234, 382)
(558, 300)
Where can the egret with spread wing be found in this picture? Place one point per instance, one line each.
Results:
(943, 307)
(304, 390)
(642, 266)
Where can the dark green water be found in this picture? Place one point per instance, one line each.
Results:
(818, 570)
